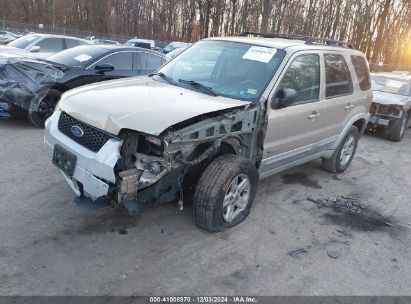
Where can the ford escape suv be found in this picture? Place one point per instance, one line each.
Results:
(211, 122)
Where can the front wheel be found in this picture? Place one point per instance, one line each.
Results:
(45, 109)
(397, 130)
(225, 193)
(344, 154)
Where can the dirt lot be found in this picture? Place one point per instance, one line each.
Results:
(338, 247)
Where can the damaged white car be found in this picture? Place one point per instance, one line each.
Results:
(391, 106)
(212, 122)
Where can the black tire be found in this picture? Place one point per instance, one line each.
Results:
(396, 132)
(212, 187)
(45, 109)
(333, 164)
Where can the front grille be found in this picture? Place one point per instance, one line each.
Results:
(92, 138)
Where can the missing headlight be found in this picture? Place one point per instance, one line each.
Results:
(150, 145)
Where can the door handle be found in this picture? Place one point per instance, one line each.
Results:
(313, 115)
(349, 106)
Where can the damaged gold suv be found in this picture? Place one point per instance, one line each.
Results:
(212, 122)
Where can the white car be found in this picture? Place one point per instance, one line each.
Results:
(175, 45)
(6, 35)
(41, 45)
(174, 53)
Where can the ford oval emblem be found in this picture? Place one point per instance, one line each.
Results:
(77, 131)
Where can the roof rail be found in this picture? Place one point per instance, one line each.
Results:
(307, 39)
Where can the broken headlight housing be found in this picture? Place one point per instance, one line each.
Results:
(150, 145)
(388, 110)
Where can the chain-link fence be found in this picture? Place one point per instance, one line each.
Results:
(18, 27)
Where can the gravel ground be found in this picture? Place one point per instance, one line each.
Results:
(357, 245)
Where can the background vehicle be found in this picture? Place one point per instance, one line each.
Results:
(84, 65)
(175, 45)
(41, 45)
(175, 53)
(6, 36)
(106, 41)
(391, 106)
(144, 43)
(210, 123)
(101, 41)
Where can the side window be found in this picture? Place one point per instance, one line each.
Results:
(337, 76)
(137, 66)
(51, 45)
(70, 43)
(361, 70)
(143, 61)
(122, 61)
(153, 62)
(303, 75)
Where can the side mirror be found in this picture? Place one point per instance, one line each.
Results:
(34, 49)
(105, 67)
(283, 98)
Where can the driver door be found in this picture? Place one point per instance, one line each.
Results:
(295, 132)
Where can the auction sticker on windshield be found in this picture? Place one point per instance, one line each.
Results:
(258, 53)
(82, 57)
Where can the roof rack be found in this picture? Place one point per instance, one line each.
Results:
(307, 39)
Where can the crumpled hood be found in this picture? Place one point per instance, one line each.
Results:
(389, 99)
(140, 104)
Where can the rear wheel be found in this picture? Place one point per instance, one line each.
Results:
(45, 108)
(344, 154)
(225, 193)
(397, 130)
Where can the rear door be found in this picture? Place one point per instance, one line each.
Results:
(340, 100)
(293, 131)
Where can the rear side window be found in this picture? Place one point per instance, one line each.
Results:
(70, 43)
(361, 70)
(153, 62)
(51, 45)
(122, 61)
(337, 75)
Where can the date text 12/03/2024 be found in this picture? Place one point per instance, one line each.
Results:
(204, 299)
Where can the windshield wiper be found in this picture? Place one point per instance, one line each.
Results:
(164, 76)
(198, 85)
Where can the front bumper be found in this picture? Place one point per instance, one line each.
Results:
(94, 171)
(377, 120)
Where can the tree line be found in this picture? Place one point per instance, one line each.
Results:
(380, 28)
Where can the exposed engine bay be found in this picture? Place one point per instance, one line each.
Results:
(179, 151)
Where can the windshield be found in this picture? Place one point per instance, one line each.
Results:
(236, 70)
(77, 56)
(391, 85)
(24, 41)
